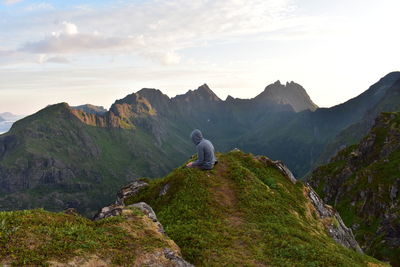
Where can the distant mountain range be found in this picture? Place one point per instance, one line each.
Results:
(77, 157)
(6, 121)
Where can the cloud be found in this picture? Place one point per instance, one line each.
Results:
(11, 2)
(159, 30)
(56, 59)
(70, 28)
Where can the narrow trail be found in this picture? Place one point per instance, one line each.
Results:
(226, 197)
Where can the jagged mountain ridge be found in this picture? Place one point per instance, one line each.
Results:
(77, 159)
(362, 182)
(6, 121)
(91, 109)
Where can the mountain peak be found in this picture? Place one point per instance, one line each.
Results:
(91, 109)
(291, 93)
(203, 93)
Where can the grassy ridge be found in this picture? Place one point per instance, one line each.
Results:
(243, 213)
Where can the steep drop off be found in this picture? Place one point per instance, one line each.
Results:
(363, 183)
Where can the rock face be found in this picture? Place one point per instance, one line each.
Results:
(362, 183)
(336, 227)
(280, 166)
(129, 190)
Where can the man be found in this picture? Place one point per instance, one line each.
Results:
(205, 152)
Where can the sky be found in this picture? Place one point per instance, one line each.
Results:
(98, 51)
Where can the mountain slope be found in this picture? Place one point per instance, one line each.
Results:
(362, 182)
(245, 212)
(299, 138)
(354, 133)
(53, 160)
(6, 121)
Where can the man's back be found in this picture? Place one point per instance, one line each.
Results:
(205, 151)
(206, 147)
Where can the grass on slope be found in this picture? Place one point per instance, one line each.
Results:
(35, 237)
(243, 213)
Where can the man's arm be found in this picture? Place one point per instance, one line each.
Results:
(200, 156)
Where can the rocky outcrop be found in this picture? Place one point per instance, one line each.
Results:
(109, 211)
(333, 222)
(130, 190)
(165, 257)
(280, 166)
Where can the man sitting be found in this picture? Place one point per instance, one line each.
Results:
(205, 152)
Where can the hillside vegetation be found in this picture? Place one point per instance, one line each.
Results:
(42, 238)
(244, 212)
(363, 183)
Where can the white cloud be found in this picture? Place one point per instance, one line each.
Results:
(43, 58)
(70, 28)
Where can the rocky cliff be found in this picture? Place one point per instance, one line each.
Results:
(362, 182)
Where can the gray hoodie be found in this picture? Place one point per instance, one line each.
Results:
(205, 151)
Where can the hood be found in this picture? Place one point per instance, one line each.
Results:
(196, 136)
